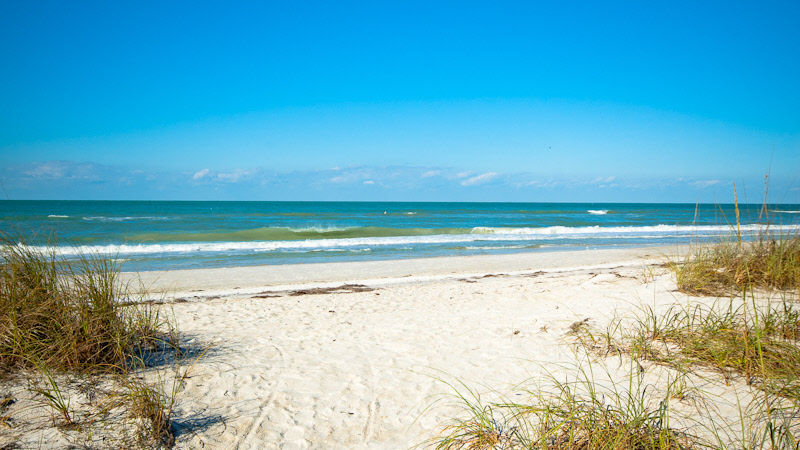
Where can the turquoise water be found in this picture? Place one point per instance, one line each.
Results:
(169, 235)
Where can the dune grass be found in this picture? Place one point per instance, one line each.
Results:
(768, 262)
(740, 335)
(69, 317)
(77, 319)
(580, 413)
(750, 334)
(759, 343)
(153, 406)
(738, 338)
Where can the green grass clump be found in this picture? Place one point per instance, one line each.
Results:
(154, 408)
(60, 319)
(68, 317)
(576, 414)
(768, 262)
(759, 343)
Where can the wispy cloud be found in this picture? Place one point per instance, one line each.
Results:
(65, 179)
(46, 170)
(547, 184)
(344, 175)
(604, 180)
(235, 176)
(65, 170)
(479, 179)
(702, 184)
(200, 174)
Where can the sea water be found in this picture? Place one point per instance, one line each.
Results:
(151, 235)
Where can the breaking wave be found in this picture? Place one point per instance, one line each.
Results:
(256, 241)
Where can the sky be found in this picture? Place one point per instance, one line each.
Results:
(408, 101)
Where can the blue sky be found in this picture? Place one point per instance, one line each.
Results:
(461, 101)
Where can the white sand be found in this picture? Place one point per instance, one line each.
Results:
(257, 278)
(359, 370)
(363, 369)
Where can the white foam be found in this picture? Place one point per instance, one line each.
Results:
(478, 234)
(351, 250)
(600, 231)
(57, 216)
(597, 211)
(124, 219)
(314, 229)
(494, 247)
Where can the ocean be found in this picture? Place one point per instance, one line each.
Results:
(156, 235)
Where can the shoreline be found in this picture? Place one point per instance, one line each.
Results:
(224, 281)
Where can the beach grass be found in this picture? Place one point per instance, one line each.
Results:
(732, 337)
(69, 317)
(746, 331)
(745, 335)
(740, 339)
(576, 413)
(64, 321)
(767, 262)
(750, 335)
(758, 346)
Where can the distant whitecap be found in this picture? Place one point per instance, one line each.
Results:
(124, 219)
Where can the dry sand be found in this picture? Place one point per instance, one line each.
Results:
(364, 369)
(296, 360)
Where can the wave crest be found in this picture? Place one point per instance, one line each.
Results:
(294, 234)
(487, 234)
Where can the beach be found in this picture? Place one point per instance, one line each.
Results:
(356, 355)
(400, 225)
(387, 354)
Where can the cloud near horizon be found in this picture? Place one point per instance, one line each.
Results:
(86, 180)
(702, 184)
(479, 179)
(200, 174)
